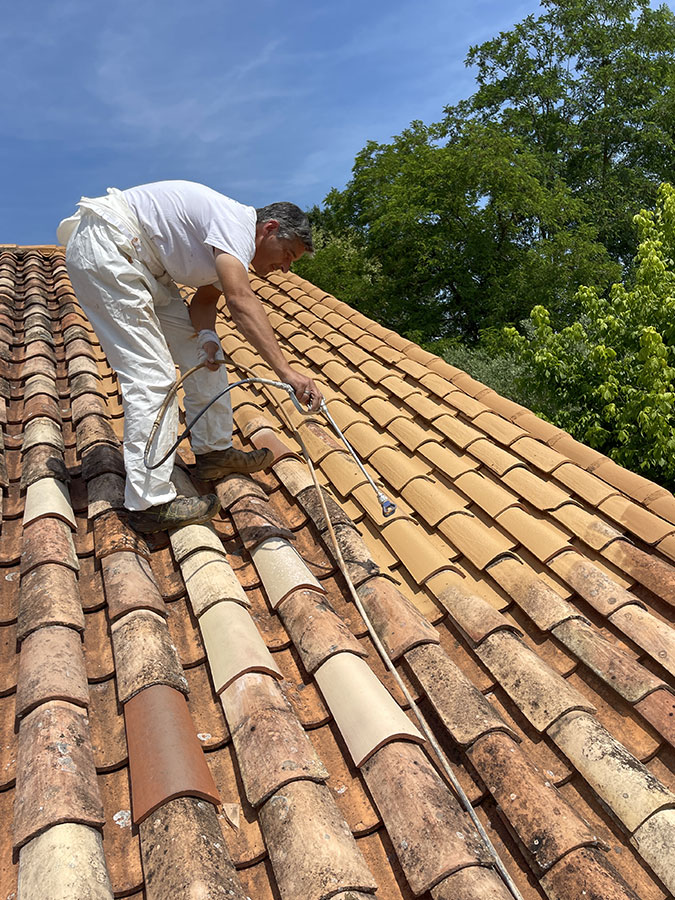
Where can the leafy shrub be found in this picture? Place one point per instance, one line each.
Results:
(607, 378)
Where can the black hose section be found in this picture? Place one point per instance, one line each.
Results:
(188, 428)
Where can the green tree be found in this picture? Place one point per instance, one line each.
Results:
(524, 190)
(589, 83)
(608, 377)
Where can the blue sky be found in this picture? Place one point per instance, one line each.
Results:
(264, 101)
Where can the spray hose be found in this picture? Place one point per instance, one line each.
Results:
(388, 508)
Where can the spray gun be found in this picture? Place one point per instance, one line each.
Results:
(388, 507)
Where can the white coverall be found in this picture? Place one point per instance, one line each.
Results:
(145, 330)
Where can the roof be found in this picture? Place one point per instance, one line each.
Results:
(205, 711)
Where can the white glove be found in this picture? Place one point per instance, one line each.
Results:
(204, 337)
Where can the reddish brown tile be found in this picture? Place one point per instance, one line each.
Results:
(430, 818)
(130, 585)
(306, 863)
(56, 779)
(658, 708)
(51, 667)
(106, 723)
(165, 758)
(144, 655)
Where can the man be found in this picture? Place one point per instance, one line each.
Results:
(125, 255)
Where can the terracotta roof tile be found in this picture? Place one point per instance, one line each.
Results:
(609, 662)
(144, 654)
(305, 863)
(539, 535)
(233, 644)
(317, 632)
(485, 492)
(165, 759)
(478, 542)
(472, 614)
(399, 625)
(49, 596)
(256, 709)
(648, 632)
(623, 783)
(641, 522)
(658, 708)
(376, 719)
(182, 845)
(602, 662)
(51, 667)
(542, 696)
(56, 779)
(542, 604)
(461, 707)
(130, 585)
(431, 818)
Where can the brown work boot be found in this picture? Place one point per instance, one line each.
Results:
(219, 463)
(175, 513)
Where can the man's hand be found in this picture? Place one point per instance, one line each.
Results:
(306, 390)
(209, 345)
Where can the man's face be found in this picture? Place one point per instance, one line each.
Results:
(274, 253)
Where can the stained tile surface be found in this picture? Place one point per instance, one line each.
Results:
(524, 588)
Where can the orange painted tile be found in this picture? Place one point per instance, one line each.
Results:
(646, 525)
(538, 534)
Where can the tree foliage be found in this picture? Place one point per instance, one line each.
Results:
(521, 192)
(608, 378)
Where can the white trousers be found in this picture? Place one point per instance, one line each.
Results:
(145, 332)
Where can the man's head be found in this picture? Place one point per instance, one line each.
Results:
(283, 234)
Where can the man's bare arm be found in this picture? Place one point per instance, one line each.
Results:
(250, 318)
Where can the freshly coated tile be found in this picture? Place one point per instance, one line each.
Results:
(541, 537)
(233, 644)
(636, 519)
(366, 714)
(48, 498)
(478, 542)
(282, 570)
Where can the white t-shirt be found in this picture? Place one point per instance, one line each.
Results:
(185, 222)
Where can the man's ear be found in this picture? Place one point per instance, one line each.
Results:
(270, 227)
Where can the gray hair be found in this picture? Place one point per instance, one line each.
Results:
(293, 222)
